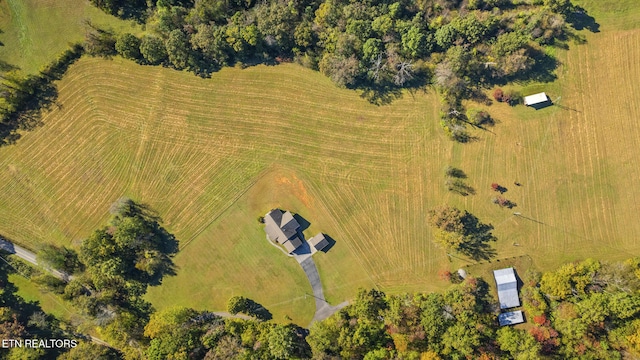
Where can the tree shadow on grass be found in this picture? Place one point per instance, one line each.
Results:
(30, 96)
(381, 95)
(477, 237)
(258, 311)
(544, 68)
(579, 19)
(386, 91)
(458, 186)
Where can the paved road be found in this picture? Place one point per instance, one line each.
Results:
(18, 251)
(31, 257)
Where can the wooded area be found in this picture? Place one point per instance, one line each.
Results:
(582, 310)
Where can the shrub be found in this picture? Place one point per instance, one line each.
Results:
(479, 117)
(455, 172)
(60, 258)
(50, 283)
(99, 42)
(23, 268)
(504, 202)
(444, 275)
(512, 97)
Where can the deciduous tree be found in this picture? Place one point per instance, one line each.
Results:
(177, 46)
(128, 45)
(153, 50)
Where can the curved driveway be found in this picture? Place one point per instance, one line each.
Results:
(323, 310)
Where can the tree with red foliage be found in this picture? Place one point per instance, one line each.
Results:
(541, 320)
(547, 337)
(499, 188)
(498, 94)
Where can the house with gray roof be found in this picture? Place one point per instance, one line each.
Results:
(282, 228)
(507, 288)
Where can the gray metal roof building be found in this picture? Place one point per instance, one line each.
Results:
(319, 242)
(511, 318)
(507, 288)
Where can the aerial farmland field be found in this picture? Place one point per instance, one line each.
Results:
(212, 155)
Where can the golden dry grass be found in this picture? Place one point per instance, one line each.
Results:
(190, 148)
(575, 160)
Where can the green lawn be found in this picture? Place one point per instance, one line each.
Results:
(211, 155)
(613, 14)
(223, 262)
(50, 303)
(35, 31)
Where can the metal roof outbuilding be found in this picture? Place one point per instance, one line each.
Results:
(507, 288)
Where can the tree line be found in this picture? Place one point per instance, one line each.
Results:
(461, 47)
(23, 98)
(111, 273)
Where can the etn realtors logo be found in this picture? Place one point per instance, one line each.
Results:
(38, 343)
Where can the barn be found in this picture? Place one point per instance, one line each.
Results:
(507, 288)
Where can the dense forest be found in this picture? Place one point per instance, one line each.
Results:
(355, 43)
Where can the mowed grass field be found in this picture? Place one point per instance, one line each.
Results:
(211, 155)
(34, 32)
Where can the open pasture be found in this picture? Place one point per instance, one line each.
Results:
(211, 155)
(34, 32)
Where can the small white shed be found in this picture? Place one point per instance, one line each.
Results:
(536, 99)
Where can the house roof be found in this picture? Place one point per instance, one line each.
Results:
(282, 227)
(319, 241)
(292, 244)
(536, 99)
(507, 288)
(511, 318)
